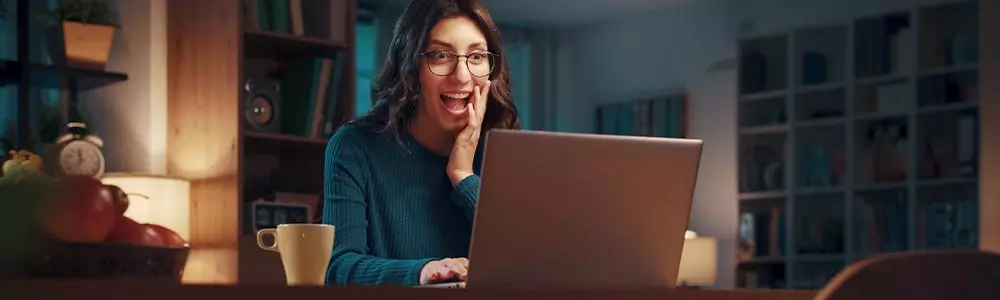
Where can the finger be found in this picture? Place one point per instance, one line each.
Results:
(472, 114)
(484, 95)
(448, 275)
(477, 92)
(474, 137)
(460, 274)
(443, 274)
(456, 272)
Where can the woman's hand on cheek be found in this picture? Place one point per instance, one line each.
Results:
(464, 151)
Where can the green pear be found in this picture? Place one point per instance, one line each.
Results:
(12, 168)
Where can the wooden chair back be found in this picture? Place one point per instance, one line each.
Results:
(966, 275)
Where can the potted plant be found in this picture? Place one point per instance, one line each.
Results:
(81, 32)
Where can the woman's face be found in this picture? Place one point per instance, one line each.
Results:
(446, 77)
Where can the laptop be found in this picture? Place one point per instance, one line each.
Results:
(568, 210)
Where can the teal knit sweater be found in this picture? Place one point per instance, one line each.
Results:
(393, 206)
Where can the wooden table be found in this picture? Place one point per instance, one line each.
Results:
(54, 290)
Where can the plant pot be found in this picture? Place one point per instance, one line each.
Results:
(80, 45)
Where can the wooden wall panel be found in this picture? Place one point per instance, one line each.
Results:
(989, 129)
(203, 129)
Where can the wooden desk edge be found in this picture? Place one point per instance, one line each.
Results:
(52, 290)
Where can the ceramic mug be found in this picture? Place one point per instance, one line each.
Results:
(305, 251)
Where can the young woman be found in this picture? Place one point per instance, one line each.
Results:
(402, 181)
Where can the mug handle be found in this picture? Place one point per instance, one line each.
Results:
(260, 239)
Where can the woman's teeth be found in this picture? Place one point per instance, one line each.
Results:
(455, 102)
(457, 95)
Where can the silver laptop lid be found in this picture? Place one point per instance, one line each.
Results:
(562, 210)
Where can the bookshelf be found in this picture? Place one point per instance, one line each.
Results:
(27, 74)
(857, 139)
(304, 46)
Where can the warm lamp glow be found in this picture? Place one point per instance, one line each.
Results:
(698, 261)
(169, 203)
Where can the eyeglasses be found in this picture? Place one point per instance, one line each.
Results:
(444, 63)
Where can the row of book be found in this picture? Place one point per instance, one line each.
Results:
(655, 117)
(310, 89)
(317, 18)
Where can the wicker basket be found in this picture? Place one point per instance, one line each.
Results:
(102, 261)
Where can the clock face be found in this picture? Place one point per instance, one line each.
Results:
(81, 158)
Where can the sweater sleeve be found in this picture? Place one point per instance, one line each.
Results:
(466, 194)
(345, 207)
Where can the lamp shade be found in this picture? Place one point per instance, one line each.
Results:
(168, 202)
(698, 262)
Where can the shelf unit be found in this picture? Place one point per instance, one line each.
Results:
(27, 74)
(857, 139)
(215, 48)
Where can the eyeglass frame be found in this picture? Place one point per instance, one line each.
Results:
(466, 56)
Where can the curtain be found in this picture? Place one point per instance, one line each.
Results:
(551, 78)
(517, 48)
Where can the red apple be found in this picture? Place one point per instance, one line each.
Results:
(82, 211)
(170, 238)
(119, 198)
(128, 231)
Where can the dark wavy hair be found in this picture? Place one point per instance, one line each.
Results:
(396, 89)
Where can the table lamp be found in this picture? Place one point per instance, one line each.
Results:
(698, 261)
(168, 202)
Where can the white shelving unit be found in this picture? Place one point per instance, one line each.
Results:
(857, 139)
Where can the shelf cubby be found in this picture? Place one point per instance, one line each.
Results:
(881, 150)
(765, 65)
(949, 35)
(764, 162)
(761, 225)
(948, 216)
(819, 225)
(820, 156)
(883, 45)
(880, 221)
(821, 56)
(947, 144)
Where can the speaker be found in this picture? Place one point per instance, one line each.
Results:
(262, 105)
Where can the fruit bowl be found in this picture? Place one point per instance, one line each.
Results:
(105, 261)
(75, 227)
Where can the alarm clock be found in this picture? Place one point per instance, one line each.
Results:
(78, 153)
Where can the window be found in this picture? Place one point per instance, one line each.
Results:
(365, 49)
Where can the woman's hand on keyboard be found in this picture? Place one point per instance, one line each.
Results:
(445, 270)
